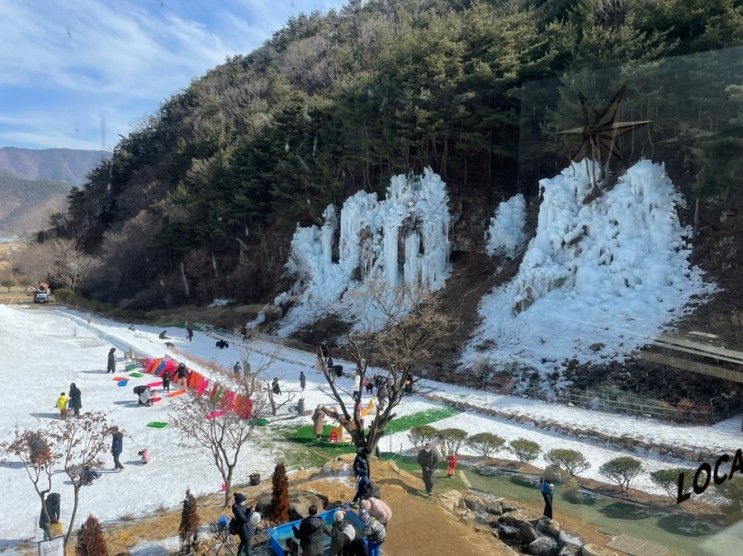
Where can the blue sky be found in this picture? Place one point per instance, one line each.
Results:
(71, 69)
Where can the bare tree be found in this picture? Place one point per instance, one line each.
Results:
(38, 457)
(81, 442)
(399, 329)
(58, 260)
(206, 421)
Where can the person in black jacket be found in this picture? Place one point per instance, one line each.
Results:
(76, 402)
(182, 374)
(361, 463)
(311, 534)
(302, 380)
(117, 446)
(245, 526)
(275, 386)
(111, 368)
(428, 459)
(52, 504)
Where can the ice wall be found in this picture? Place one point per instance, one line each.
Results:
(412, 220)
(505, 235)
(598, 280)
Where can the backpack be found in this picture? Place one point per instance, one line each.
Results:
(232, 527)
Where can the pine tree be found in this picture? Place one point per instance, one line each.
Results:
(189, 528)
(90, 541)
(280, 495)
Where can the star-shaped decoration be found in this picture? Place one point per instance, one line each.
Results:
(599, 132)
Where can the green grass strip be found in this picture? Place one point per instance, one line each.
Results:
(306, 433)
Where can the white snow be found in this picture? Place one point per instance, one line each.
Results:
(505, 235)
(598, 280)
(413, 218)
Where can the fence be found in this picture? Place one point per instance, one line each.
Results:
(683, 413)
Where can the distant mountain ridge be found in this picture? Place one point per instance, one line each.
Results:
(65, 165)
(25, 205)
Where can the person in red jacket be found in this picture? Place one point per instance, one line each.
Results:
(452, 460)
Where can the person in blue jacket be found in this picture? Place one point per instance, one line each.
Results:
(547, 488)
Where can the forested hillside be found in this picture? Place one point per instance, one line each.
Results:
(26, 205)
(201, 201)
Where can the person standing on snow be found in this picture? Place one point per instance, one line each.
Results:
(310, 533)
(428, 460)
(61, 404)
(76, 401)
(117, 446)
(51, 515)
(237, 368)
(302, 380)
(547, 488)
(189, 332)
(111, 367)
(275, 386)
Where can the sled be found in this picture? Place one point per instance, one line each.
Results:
(136, 374)
(122, 382)
(130, 367)
(258, 422)
(157, 424)
(155, 384)
(176, 393)
(155, 399)
(118, 378)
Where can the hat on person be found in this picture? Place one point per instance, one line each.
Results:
(339, 515)
(239, 497)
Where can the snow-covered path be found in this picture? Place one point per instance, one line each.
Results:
(43, 351)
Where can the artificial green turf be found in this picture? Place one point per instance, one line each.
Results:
(306, 433)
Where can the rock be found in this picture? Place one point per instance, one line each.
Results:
(509, 506)
(272, 312)
(548, 526)
(473, 502)
(394, 467)
(300, 503)
(527, 533)
(569, 541)
(450, 500)
(508, 533)
(495, 507)
(516, 519)
(568, 551)
(596, 550)
(544, 546)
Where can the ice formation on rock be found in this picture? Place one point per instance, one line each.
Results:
(506, 234)
(598, 280)
(401, 240)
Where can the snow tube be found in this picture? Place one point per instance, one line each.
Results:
(161, 367)
(171, 366)
(122, 382)
(130, 367)
(157, 424)
(155, 383)
(153, 364)
(176, 393)
(155, 399)
(203, 386)
(194, 380)
(136, 375)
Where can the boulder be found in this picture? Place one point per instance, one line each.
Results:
(300, 503)
(473, 502)
(450, 500)
(544, 546)
(527, 533)
(548, 526)
(517, 518)
(568, 551)
(494, 507)
(272, 312)
(569, 541)
(508, 533)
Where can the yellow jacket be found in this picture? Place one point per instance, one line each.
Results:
(62, 402)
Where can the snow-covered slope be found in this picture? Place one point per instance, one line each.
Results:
(401, 240)
(598, 280)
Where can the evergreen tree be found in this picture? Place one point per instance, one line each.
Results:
(280, 495)
(90, 541)
(188, 531)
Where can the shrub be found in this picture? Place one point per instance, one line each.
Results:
(7, 284)
(454, 438)
(188, 532)
(485, 443)
(571, 461)
(525, 450)
(421, 434)
(667, 479)
(622, 471)
(732, 491)
(280, 494)
(90, 541)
